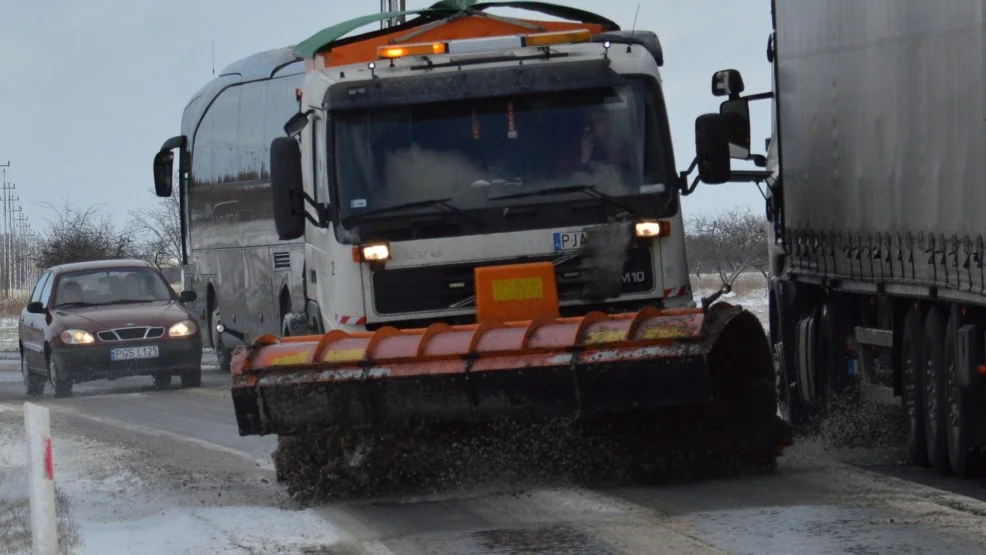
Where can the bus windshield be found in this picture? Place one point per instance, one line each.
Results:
(472, 150)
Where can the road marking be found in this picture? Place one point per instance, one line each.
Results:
(146, 430)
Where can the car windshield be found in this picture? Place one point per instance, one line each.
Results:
(469, 151)
(114, 286)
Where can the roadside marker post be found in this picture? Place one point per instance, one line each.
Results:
(41, 479)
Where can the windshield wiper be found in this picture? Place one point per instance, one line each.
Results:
(586, 189)
(131, 301)
(441, 202)
(78, 303)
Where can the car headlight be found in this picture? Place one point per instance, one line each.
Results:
(182, 329)
(77, 337)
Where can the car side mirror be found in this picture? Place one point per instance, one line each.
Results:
(188, 296)
(712, 149)
(36, 307)
(737, 118)
(287, 188)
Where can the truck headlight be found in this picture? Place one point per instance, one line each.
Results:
(184, 328)
(376, 253)
(77, 337)
(652, 229)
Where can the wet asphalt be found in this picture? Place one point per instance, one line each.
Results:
(812, 504)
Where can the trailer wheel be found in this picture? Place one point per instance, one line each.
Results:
(935, 398)
(960, 412)
(912, 394)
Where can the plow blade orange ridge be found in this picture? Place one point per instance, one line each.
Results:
(547, 367)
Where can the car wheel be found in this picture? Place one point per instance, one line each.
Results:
(34, 384)
(162, 381)
(62, 382)
(191, 378)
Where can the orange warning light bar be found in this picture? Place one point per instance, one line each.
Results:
(485, 44)
(558, 37)
(412, 50)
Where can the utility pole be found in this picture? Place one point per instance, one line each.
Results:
(10, 243)
(19, 261)
(6, 189)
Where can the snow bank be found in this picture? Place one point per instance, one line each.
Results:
(109, 504)
(15, 509)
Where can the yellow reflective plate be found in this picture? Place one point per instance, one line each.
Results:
(294, 358)
(518, 289)
(343, 355)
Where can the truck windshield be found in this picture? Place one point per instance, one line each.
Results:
(473, 150)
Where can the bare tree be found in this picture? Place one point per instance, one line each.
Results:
(730, 243)
(78, 235)
(158, 228)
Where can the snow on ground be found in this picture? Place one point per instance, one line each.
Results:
(109, 505)
(749, 291)
(8, 334)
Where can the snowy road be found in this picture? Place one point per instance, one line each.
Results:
(165, 472)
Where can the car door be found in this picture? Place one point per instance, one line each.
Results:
(32, 327)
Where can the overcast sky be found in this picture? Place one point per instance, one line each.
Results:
(91, 89)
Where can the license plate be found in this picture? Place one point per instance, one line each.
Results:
(134, 353)
(569, 240)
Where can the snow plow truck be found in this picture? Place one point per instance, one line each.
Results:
(492, 228)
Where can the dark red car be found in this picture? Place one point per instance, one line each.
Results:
(107, 319)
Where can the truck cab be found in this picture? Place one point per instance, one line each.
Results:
(406, 172)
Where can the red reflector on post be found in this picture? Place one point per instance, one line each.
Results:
(982, 369)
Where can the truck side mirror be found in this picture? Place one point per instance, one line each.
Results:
(737, 117)
(287, 188)
(728, 82)
(163, 173)
(712, 148)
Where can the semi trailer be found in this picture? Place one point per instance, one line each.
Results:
(878, 290)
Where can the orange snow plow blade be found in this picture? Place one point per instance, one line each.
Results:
(520, 362)
(544, 367)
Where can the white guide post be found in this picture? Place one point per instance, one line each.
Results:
(41, 479)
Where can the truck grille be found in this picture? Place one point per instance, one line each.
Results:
(442, 287)
(130, 334)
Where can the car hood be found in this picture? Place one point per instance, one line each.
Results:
(98, 318)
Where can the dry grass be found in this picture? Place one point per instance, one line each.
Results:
(15, 524)
(11, 308)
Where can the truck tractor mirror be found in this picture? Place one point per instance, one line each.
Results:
(163, 173)
(727, 82)
(297, 123)
(737, 116)
(287, 188)
(712, 148)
